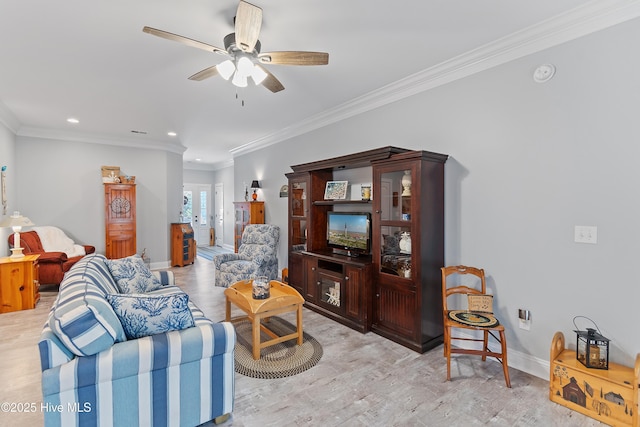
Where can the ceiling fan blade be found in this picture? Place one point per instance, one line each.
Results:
(294, 58)
(248, 24)
(205, 74)
(270, 82)
(184, 40)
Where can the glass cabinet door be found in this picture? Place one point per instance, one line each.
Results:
(395, 226)
(298, 201)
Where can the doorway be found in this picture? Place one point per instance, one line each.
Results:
(196, 211)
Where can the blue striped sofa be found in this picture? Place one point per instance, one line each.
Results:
(92, 375)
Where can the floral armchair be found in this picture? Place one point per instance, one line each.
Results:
(257, 256)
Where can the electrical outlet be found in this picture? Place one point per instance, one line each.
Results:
(586, 234)
(524, 319)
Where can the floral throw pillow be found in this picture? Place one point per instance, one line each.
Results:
(132, 275)
(144, 315)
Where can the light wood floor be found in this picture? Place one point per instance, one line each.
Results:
(361, 380)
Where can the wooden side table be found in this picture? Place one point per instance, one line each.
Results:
(283, 299)
(19, 283)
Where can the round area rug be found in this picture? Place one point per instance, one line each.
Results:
(277, 361)
(474, 318)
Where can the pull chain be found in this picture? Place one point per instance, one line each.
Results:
(242, 101)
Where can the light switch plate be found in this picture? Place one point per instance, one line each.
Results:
(586, 234)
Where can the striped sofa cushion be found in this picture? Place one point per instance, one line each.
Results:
(181, 378)
(82, 318)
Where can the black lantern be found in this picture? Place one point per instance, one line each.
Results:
(592, 349)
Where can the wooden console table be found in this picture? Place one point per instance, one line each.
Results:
(609, 396)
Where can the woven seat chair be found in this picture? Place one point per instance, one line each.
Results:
(455, 319)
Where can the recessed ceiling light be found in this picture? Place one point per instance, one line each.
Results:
(198, 159)
(172, 133)
(73, 120)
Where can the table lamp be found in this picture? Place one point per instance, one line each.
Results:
(255, 185)
(16, 222)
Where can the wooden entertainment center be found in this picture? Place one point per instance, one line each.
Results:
(395, 291)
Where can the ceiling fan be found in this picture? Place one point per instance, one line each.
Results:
(243, 48)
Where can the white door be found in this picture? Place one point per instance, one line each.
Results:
(197, 208)
(219, 215)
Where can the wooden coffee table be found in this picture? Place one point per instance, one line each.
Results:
(283, 299)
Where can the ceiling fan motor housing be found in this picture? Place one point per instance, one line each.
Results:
(231, 47)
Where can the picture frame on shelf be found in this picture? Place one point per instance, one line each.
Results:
(336, 190)
(366, 192)
(361, 192)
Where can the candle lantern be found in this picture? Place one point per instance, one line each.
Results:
(592, 349)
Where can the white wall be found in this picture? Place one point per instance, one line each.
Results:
(59, 183)
(198, 176)
(7, 158)
(225, 176)
(528, 162)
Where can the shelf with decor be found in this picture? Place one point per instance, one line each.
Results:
(408, 250)
(341, 202)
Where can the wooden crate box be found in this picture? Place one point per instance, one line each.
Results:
(609, 396)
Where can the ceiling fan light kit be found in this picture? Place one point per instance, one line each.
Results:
(244, 47)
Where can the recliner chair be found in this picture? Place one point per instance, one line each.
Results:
(257, 256)
(52, 265)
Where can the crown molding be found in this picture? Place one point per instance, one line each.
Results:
(210, 167)
(578, 22)
(8, 119)
(34, 132)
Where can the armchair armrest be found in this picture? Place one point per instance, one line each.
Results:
(52, 258)
(222, 258)
(165, 277)
(264, 259)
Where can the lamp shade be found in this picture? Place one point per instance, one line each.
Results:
(255, 184)
(16, 220)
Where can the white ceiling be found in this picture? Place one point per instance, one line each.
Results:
(91, 60)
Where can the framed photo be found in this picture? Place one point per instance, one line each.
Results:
(336, 190)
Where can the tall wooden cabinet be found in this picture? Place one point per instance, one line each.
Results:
(245, 213)
(19, 283)
(183, 245)
(395, 291)
(120, 220)
(408, 248)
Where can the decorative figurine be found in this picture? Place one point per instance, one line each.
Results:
(406, 183)
(405, 243)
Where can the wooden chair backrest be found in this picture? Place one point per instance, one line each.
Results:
(448, 290)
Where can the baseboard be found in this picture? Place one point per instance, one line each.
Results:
(160, 265)
(516, 359)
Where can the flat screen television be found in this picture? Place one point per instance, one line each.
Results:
(349, 232)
